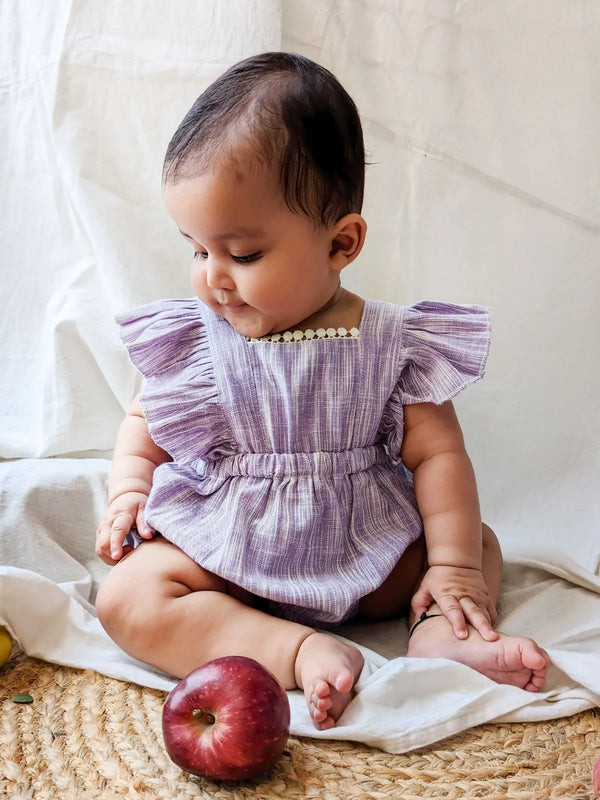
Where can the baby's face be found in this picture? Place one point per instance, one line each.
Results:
(259, 265)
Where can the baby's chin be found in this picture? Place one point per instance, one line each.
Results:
(250, 322)
(247, 321)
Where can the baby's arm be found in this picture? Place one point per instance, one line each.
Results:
(135, 458)
(433, 450)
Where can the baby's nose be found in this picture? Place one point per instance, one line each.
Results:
(218, 275)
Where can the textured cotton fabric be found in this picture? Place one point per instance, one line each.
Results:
(286, 476)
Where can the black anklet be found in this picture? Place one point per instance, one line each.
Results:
(421, 619)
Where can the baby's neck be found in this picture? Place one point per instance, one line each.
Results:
(343, 310)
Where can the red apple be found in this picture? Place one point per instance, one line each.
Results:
(596, 779)
(227, 720)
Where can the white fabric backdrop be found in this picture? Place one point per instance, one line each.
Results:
(482, 130)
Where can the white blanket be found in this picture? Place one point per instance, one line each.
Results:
(481, 130)
(47, 585)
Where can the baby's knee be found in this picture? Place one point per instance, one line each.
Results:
(109, 602)
(123, 613)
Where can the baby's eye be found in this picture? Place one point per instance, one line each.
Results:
(200, 254)
(247, 259)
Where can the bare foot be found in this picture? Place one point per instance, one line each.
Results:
(327, 669)
(514, 660)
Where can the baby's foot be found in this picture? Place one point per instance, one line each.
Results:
(327, 669)
(514, 660)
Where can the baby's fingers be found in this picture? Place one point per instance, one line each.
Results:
(142, 527)
(479, 619)
(120, 528)
(421, 601)
(103, 542)
(452, 610)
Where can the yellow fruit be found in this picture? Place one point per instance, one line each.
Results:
(5, 645)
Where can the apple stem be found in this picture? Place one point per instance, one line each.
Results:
(204, 716)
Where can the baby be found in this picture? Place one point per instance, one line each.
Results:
(294, 461)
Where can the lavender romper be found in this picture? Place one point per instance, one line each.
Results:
(286, 476)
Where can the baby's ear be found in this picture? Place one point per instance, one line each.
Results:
(348, 237)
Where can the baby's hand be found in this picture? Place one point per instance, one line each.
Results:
(124, 513)
(462, 596)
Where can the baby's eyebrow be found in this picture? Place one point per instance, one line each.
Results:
(240, 233)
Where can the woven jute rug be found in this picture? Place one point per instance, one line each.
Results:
(88, 737)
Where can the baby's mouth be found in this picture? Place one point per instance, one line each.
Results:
(233, 307)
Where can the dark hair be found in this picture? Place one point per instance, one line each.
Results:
(296, 116)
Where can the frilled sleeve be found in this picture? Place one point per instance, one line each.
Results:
(162, 336)
(168, 343)
(444, 348)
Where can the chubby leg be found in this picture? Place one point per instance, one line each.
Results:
(513, 660)
(162, 608)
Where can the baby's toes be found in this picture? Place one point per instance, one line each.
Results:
(318, 715)
(536, 659)
(321, 703)
(321, 689)
(533, 686)
(326, 725)
(537, 680)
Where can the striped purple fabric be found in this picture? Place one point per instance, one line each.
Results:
(286, 476)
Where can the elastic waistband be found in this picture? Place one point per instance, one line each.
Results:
(277, 465)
